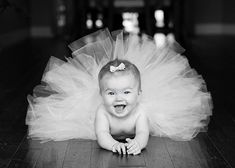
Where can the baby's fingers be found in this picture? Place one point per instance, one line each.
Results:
(114, 147)
(131, 150)
(138, 151)
(130, 144)
(131, 147)
(118, 149)
(134, 151)
(123, 148)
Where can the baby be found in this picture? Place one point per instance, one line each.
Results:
(120, 125)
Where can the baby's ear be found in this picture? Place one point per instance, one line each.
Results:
(139, 95)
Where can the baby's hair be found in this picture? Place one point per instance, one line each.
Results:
(129, 68)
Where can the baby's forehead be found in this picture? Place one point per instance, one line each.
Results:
(119, 81)
(118, 74)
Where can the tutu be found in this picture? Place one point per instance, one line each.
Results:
(174, 96)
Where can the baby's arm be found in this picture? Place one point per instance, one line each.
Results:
(140, 141)
(104, 138)
(142, 130)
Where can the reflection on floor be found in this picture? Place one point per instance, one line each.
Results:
(21, 69)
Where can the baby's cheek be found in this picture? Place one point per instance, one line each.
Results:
(108, 100)
(133, 99)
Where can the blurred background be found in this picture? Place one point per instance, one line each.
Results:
(31, 31)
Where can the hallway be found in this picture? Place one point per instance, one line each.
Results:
(32, 31)
(22, 67)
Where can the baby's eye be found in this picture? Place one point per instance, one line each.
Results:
(127, 92)
(110, 93)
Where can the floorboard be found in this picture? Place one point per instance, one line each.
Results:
(101, 158)
(52, 155)
(181, 154)
(161, 152)
(25, 158)
(206, 153)
(221, 134)
(78, 154)
(156, 154)
(6, 153)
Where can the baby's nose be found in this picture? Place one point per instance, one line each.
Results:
(119, 97)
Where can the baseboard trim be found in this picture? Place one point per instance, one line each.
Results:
(215, 29)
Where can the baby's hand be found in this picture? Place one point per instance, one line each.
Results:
(119, 147)
(133, 146)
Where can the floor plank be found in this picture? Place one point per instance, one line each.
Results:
(206, 153)
(78, 154)
(163, 152)
(181, 154)
(52, 155)
(25, 158)
(27, 155)
(6, 154)
(221, 133)
(101, 158)
(156, 154)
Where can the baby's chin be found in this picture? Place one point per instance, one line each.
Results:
(122, 115)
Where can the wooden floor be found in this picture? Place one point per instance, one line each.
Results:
(207, 150)
(21, 68)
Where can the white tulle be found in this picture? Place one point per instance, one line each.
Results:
(175, 98)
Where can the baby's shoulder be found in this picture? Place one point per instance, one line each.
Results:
(140, 110)
(101, 110)
(141, 113)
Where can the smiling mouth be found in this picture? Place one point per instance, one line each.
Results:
(119, 108)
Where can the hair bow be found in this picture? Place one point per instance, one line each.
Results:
(120, 67)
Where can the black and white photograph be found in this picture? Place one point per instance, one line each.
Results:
(117, 83)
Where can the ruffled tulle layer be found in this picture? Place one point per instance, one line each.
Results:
(175, 98)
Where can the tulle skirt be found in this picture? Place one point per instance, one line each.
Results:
(174, 96)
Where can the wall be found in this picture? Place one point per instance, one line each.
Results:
(214, 17)
(23, 19)
(14, 22)
(41, 18)
(210, 35)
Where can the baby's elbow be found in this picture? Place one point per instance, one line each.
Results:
(146, 143)
(100, 142)
(143, 138)
(100, 139)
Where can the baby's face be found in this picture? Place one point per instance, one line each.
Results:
(120, 93)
